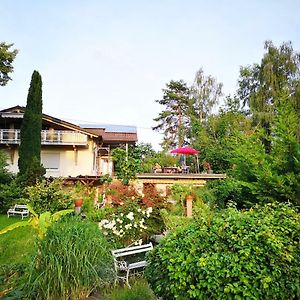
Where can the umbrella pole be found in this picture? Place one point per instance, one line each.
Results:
(197, 163)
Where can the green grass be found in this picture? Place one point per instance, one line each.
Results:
(140, 290)
(18, 244)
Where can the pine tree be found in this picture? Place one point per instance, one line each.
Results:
(174, 120)
(30, 147)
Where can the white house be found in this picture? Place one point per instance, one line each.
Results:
(66, 149)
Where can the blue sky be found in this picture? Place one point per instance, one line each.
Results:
(107, 61)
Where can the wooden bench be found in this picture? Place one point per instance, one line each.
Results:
(123, 265)
(18, 209)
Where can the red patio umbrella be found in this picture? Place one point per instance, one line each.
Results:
(186, 150)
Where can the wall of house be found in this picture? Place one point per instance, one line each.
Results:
(61, 161)
(72, 162)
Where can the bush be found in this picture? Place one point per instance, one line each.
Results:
(173, 222)
(127, 198)
(222, 192)
(5, 175)
(127, 225)
(48, 196)
(72, 260)
(10, 194)
(233, 254)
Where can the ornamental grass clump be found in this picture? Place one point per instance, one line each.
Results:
(72, 260)
(140, 290)
(232, 254)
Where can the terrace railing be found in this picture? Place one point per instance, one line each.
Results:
(48, 137)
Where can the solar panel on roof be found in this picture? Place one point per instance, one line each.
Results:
(111, 128)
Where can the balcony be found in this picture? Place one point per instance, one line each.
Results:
(48, 137)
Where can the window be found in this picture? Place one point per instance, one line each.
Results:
(51, 160)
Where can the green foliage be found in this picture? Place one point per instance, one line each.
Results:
(11, 279)
(148, 157)
(277, 73)
(5, 176)
(127, 165)
(257, 176)
(260, 85)
(72, 260)
(105, 179)
(272, 176)
(125, 199)
(33, 174)
(10, 194)
(173, 120)
(48, 196)
(140, 290)
(165, 159)
(232, 254)
(29, 164)
(7, 57)
(127, 224)
(96, 215)
(185, 106)
(205, 94)
(41, 222)
(180, 191)
(173, 222)
(221, 192)
(217, 139)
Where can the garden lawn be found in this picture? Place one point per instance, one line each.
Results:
(16, 245)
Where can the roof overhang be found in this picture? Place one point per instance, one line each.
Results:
(17, 112)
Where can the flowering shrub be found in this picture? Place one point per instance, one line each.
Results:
(126, 198)
(120, 193)
(127, 225)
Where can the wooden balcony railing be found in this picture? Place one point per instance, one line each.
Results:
(48, 137)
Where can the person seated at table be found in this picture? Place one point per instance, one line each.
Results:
(157, 168)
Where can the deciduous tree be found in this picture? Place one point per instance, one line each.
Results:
(205, 94)
(261, 84)
(7, 57)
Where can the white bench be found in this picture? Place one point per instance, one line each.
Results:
(18, 209)
(121, 264)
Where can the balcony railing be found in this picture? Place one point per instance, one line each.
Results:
(48, 137)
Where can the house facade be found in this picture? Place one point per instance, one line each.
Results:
(66, 149)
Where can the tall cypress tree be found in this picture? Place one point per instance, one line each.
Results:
(30, 147)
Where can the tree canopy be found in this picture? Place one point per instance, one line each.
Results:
(173, 120)
(185, 107)
(7, 57)
(262, 84)
(255, 136)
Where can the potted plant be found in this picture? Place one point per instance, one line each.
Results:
(78, 202)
